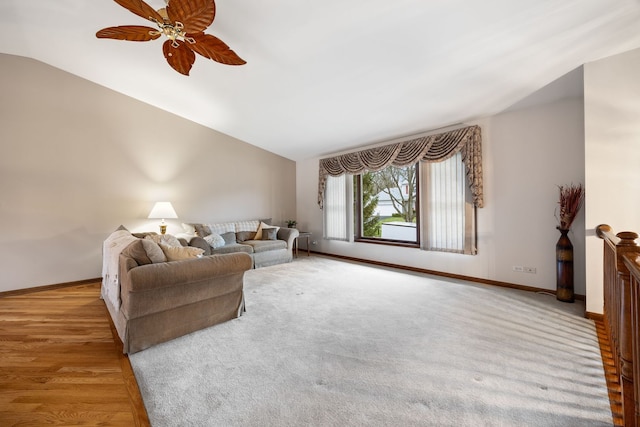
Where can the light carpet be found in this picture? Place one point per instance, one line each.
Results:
(332, 343)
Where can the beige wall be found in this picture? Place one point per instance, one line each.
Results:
(78, 160)
(527, 154)
(612, 141)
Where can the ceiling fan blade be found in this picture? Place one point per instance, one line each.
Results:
(213, 48)
(140, 8)
(134, 33)
(195, 15)
(180, 58)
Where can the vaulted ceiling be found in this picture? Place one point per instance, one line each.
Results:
(328, 76)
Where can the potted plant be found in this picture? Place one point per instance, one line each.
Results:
(291, 223)
(570, 202)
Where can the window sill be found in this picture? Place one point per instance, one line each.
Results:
(388, 242)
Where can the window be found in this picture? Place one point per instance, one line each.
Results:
(386, 205)
(427, 205)
(435, 193)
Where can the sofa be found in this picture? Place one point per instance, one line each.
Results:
(156, 289)
(265, 243)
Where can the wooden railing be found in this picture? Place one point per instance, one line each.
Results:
(621, 314)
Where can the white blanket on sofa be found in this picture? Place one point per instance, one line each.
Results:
(111, 248)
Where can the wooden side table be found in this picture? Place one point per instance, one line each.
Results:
(296, 243)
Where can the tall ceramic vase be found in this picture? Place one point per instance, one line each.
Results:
(564, 268)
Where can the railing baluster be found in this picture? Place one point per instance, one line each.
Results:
(621, 277)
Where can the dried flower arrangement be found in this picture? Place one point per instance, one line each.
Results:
(571, 199)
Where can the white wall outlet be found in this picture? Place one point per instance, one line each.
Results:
(531, 270)
(518, 268)
(315, 242)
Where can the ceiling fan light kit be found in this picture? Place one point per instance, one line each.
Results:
(183, 23)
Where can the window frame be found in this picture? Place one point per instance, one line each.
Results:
(357, 216)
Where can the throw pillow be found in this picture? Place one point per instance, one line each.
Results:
(229, 237)
(215, 240)
(167, 239)
(144, 234)
(202, 230)
(153, 250)
(136, 251)
(270, 233)
(174, 253)
(258, 235)
(241, 236)
(189, 228)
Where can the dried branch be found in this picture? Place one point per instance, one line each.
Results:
(571, 199)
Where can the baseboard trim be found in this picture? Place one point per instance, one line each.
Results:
(444, 274)
(594, 316)
(25, 291)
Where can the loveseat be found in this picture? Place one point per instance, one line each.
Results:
(156, 290)
(265, 243)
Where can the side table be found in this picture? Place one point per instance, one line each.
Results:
(296, 243)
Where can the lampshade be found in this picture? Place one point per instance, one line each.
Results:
(162, 210)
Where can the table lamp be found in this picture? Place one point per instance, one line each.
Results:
(162, 210)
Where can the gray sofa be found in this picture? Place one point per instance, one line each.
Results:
(245, 237)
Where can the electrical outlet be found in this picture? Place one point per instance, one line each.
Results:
(315, 242)
(518, 268)
(531, 270)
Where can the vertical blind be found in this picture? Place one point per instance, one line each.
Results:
(336, 208)
(449, 224)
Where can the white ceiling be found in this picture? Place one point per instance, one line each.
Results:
(327, 76)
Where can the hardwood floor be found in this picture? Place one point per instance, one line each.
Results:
(61, 362)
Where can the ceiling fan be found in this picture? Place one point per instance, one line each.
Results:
(183, 22)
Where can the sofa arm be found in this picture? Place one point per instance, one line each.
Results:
(199, 242)
(288, 235)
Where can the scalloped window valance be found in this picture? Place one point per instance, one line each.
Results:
(432, 148)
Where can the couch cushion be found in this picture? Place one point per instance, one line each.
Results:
(189, 228)
(266, 245)
(223, 227)
(233, 247)
(166, 239)
(229, 238)
(247, 225)
(175, 253)
(261, 227)
(144, 234)
(202, 230)
(215, 240)
(153, 250)
(241, 236)
(136, 251)
(269, 233)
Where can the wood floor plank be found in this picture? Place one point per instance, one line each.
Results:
(61, 362)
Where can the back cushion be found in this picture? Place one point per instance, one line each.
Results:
(136, 251)
(241, 236)
(223, 227)
(153, 251)
(247, 225)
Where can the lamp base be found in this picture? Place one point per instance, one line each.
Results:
(163, 229)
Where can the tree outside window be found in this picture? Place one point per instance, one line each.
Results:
(385, 203)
